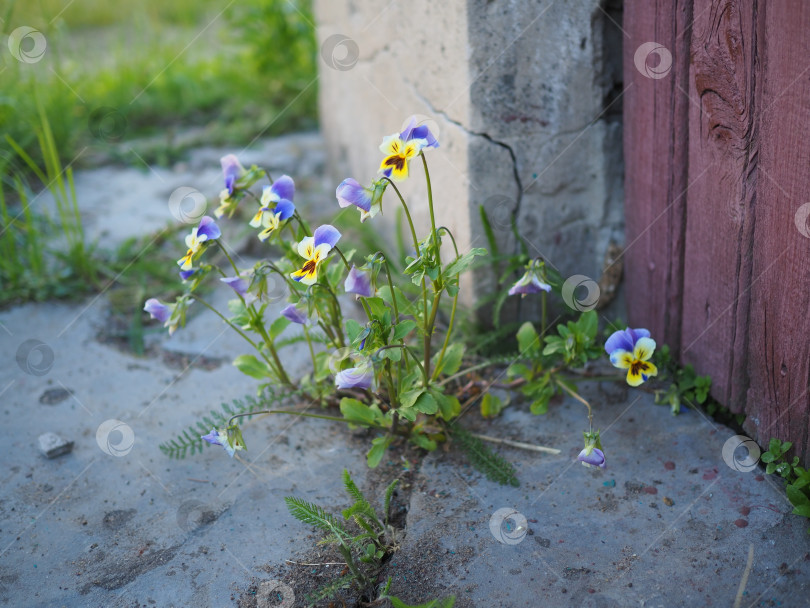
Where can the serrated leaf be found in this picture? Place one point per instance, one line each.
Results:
(463, 262)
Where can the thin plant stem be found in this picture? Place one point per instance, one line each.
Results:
(579, 398)
(452, 313)
(342, 257)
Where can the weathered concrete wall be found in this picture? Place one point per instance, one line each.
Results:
(524, 98)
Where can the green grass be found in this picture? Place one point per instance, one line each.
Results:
(117, 72)
(156, 67)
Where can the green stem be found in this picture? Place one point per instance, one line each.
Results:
(464, 372)
(342, 257)
(415, 358)
(452, 312)
(407, 215)
(577, 396)
(222, 247)
(429, 331)
(543, 314)
(268, 341)
(236, 329)
(432, 217)
(311, 351)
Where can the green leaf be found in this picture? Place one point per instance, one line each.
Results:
(796, 496)
(408, 398)
(463, 262)
(528, 340)
(803, 510)
(408, 413)
(377, 307)
(278, 326)
(426, 404)
(353, 329)
(251, 366)
(378, 448)
(403, 328)
(423, 442)
(449, 406)
(588, 323)
(357, 412)
(770, 468)
(491, 406)
(395, 354)
(451, 362)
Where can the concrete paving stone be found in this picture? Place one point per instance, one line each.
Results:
(52, 445)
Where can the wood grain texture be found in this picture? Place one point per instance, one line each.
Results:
(778, 403)
(722, 171)
(656, 146)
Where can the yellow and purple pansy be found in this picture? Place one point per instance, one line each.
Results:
(276, 206)
(398, 153)
(314, 249)
(631, 349)
(207, 231)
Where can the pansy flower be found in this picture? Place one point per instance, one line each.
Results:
(533, 281)
(398, 154)
(314, 249)
(361, 376)
(164, 313)
(358, 283)
(367, 200)
(294, 314)
(413, 130)
(230, 439)
(206, 231)
(592, 454)
(631, 349)
(232, 171)
(276, 206)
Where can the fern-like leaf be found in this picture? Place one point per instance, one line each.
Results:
(314, 515)
(495, 467)
(329, 590)
(447, 602)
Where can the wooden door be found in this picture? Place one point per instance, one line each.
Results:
(717, 148)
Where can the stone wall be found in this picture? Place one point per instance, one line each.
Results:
(524, 96)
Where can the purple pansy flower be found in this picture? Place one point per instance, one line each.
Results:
(186, 274)
(414, 131)
(592, 457)
(208, 228)
(326, 234)
(232, 170)
(367, 200)
(355, 377)
(294, 314)
(533, 281)
(230, 439)
(358, 283)
(282, 189)
(238, 284)
(158, 310)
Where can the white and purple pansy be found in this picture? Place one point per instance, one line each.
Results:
(367, 200)
(532, 281)
(206, 231)
(163, 313)
(631, 349)
(230, 439)
(592, 456)
(232, 170)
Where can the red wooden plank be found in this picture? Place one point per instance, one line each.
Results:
(779, 345)
(655, 148)
(723, 147)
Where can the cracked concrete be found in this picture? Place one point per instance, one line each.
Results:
(525, 97)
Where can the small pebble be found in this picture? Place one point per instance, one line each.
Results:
(741, 523)
(669, 465)
(668, 501)
(52, 445)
